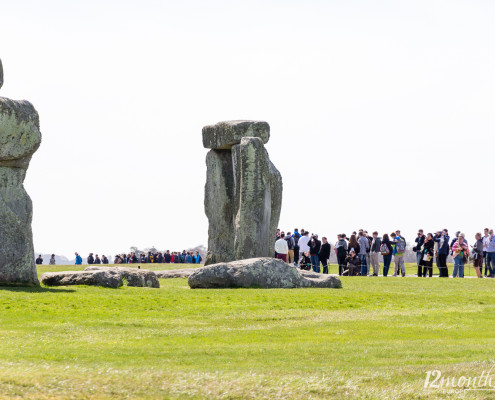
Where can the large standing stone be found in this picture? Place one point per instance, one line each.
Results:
(228, 133)
(20, 137)
(243, 192)
(254, 176)
(258, 273)
(219, 206)
(1, 74)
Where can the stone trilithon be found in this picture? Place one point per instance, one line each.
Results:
(20, 137)
(243, 192)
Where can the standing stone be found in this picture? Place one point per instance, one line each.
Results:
(19, 139)
(243, 192)
(219, 206)
(1, 74)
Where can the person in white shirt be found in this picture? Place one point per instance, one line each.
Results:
(303, 243)
(281, 248)
(485, 240)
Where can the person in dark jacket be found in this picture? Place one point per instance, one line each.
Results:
(353, 263)
(341, 252)
(420, 240)
(39, 260)
(477, 255)
(387, 258)
(167, 257)
(296, 236)
(104, 259)
(97, 260)
(324, 254)
(314, 249)
(443, 252)
(427, 254)
(375, 253)
(91, 259)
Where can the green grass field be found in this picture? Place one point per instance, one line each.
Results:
(374, 339)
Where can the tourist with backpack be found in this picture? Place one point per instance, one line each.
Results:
(399, 252)
(375, 253)
(290, 244)
(386, 250)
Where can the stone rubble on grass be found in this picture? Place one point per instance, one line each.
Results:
(105, 278)
(134, 277)
(260, 272)
(243, 191)
(20, 137)
(175, 273)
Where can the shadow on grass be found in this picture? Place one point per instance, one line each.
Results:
(35, 289)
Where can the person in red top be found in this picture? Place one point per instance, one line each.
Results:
(460, 253)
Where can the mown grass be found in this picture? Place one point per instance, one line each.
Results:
(374, 339)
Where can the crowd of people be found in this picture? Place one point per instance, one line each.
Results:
(167, 257)
(359, 254)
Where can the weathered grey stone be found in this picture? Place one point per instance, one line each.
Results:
(19, 139)
(1, 74)
(105, 278)
(257, 199)
(133, 276)
(260, 273)
(175, 273)
(219, 206)
(228, 133)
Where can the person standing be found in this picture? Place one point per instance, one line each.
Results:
(303, 244)
(376, 243)
(52, 260)
(104, 259)
(296, 236)
(443, 252)
(460, 252)
(97, 260)
(399, 252)
(427, 253)
(281, 248)
(420, 240)
(90, 259)
(486, 240)
(490, 253)
(341, 252)
(290, 245)
(477, 255)
(364, 245)
(78, 259)
(324, 254)
(39, 260)
(314, 250)
(386, 250)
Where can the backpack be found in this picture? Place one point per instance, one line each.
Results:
(290, 242)
(296, 239)
(384, 250)
(401, 246)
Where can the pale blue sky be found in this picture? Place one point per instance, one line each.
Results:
(383, 110)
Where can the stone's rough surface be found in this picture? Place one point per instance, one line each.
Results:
(228, 133)
(258, 272)
(243, 192)
(175, 273)
(106, 278)
(219, 206)
(20, 136)
(254, 177)
(1, 74)
(19, 139)
(134, 277)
